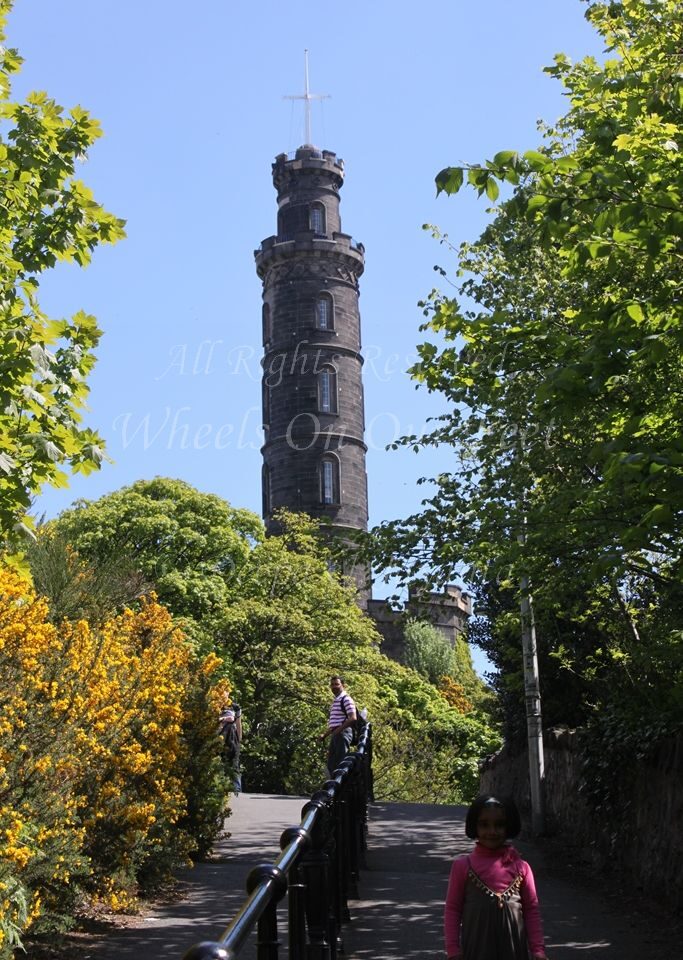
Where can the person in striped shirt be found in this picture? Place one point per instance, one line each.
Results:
(340, 723)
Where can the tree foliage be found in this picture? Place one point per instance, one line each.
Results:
(293, 625)
(79, 588)
(426, 650)
(560, 357)
(282, 622)
(48, 216)
(189, 545)
(427, 749)
(449, 668)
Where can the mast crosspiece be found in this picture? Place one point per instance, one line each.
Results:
(307, 97)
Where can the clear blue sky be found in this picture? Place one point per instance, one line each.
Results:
(191, 100)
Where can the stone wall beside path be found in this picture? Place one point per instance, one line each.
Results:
(643, 842)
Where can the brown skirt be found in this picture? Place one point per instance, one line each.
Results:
(492, 924)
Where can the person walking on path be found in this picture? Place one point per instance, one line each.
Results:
(339, 725)
(492, 910)
(230, 728)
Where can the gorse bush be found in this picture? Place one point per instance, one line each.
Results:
(104, 735)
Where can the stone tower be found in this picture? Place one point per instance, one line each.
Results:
(313, 417)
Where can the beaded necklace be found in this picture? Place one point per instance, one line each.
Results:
(502, 897)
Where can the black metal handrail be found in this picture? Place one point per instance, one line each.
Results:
(318, 868)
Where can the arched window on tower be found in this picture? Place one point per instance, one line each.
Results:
(327, 390)
(324, 312)
(266, 406)
(316, 218)
(329, 480)
(265, 485)
(265, 316)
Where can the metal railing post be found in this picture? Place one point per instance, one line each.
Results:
(315, 871)
(316, 875)
(338, 911)
(296, 901)
(296, 916)
(267, 942)
(360, 810)
(350, 846)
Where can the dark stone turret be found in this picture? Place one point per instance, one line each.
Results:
(313, 417)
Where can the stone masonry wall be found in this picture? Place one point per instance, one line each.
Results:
(644, 843)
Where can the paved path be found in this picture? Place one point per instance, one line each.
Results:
(403, 889)
(210, 893)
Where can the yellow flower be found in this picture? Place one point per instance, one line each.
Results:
(94, 720)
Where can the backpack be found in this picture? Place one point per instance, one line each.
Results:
(231, 742)
(359, 725)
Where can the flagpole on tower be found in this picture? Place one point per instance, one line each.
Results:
(307, 97)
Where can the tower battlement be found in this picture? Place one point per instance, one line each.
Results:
(340, 245)
(308, 156)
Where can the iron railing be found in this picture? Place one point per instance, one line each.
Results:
(318, 869)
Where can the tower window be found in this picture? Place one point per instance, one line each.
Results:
(266, 405)
(265, 316)
(316, 218)
(265, 476)
(329, 480)
(327, 390)
(324, 312)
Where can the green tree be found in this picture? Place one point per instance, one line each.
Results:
(47, 216)
(582, 383)
(425, 750)
(190, 546)
(560, 357)
(426, 650)
(479, 692)
(430, 654)
(288, 622)
(291, 627)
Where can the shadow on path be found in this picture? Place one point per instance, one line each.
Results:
(399, 915)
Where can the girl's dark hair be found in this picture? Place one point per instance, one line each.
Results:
(513, 823)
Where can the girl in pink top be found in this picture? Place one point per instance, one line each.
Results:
(491, 906)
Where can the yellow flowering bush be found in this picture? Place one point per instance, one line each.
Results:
(105, 735)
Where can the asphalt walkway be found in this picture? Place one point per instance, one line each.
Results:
(402, 890)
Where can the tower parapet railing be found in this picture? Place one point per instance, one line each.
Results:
(336, 240)
(313, 153)
(318, 869)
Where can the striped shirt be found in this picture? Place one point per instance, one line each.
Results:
(342, 707)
